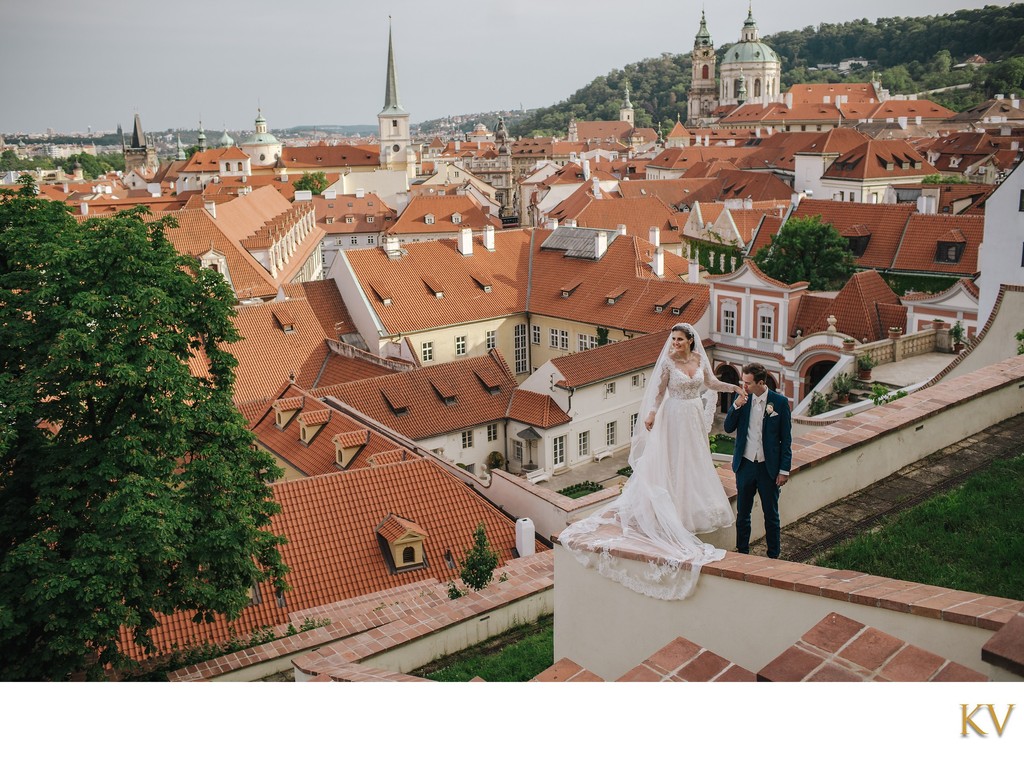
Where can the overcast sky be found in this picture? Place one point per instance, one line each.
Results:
(71, 65)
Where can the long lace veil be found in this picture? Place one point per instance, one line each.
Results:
(644, 519)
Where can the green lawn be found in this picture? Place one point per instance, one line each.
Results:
(970, 538)
(512, 657)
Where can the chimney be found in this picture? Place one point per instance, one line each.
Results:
(917, 120)
(621, 229)
(330, 194)
(789, 99)
(392, 247)
(466, 241)
(211, 208)
(552, 223)
(360, 193)
(66, 188)
(757, 131)
(1015, 103)
(693, 272)
(571, 223)
(301, 195)
(658, 265)
(489, 237)
(902, 120)
(84, 208)
(600, 244)
(597, 188)
(526, 544)
(654, 236)
(586, 169)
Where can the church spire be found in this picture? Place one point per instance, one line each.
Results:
(703, 38)
(138, 136)
(391, 104)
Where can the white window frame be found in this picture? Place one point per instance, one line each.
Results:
(536, 334)
(558, 451)
(610, 433)
(553, 338)
(467, 438)
(519, 351)
(517, 450)
(491, 338)
(492, 432)
(563, 340)
(584, 443)
(632, 423)
(765, 325)
(460, 345)
(427, 351)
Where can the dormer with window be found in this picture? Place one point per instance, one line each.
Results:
(613, 297)
(428, 219)
(396, 401)
(445, 390)
(285, 410)
(570, 288)
(310, 424)
(402, 544)
(284, 319)
(456, 218)
(857, 238)
(433, 287)
(949, 252)
(214, 259)
(348, 445)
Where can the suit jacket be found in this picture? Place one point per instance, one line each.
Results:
(776, 436)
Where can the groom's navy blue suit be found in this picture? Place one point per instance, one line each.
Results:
(760, 477)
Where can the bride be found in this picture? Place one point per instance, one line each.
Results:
(674, 493)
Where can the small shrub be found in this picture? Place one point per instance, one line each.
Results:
(480, 561)
(865, 363)
(580, 489)
(819, 404)
(842, 384)
(454, 591)
(880, 394)
(626, 471)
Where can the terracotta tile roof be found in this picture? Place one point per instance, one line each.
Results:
(413, 218)
(749, 184)
(770, 225)
(433, 400)
(627, 263)
(208, 161)
(320, 156)
(319, 455)
(862, 92)
(536, 409)
(393, 528)
(673, 192)
(864, 308)
(267, 355)
(887, 224)
(333, 550)
(197, 233)
(684, 158)
(911, 109)
(328, 307)
(678, 131)
(337, 368)
(638, 214)
(880, 159)
(413, 308)
(919, 250)
(606, 361)
(333, 214)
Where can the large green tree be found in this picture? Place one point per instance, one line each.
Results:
(316, 182)
(807, 250)
(128, 486)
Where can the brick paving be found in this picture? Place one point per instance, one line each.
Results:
(934, 474)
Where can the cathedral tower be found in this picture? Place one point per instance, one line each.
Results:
(702, 100)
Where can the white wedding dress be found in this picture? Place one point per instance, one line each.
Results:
(673, 494)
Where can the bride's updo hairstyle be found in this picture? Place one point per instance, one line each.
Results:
(685, 330)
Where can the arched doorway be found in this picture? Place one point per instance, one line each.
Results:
(726, 374)
(814, 374)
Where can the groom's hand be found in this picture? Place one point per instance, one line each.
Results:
(741, 400)
(781, 480)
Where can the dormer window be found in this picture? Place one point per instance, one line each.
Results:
(370, 219)
(456, 218)
(570, 288)
(310, 424)
(402, 544)
(949, 252)
(612, 298)
(428, 219)
(348, 445)
(285, 410)
(858, 244)
(350, 219)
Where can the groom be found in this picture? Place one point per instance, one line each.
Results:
(762, 457)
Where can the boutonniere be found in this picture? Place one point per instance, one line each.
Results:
(769, 410)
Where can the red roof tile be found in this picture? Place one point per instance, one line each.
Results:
(922, 248)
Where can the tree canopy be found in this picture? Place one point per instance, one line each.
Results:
(128, 486)
(807, 250)
(316, 182)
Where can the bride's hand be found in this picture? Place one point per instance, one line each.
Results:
(649, 421)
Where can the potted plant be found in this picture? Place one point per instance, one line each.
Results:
(841, 385)
(849, 343)
(956, 334)
(864, 366)
(495, 460)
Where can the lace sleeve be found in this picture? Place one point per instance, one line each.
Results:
(713, 383)
(662, 380)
